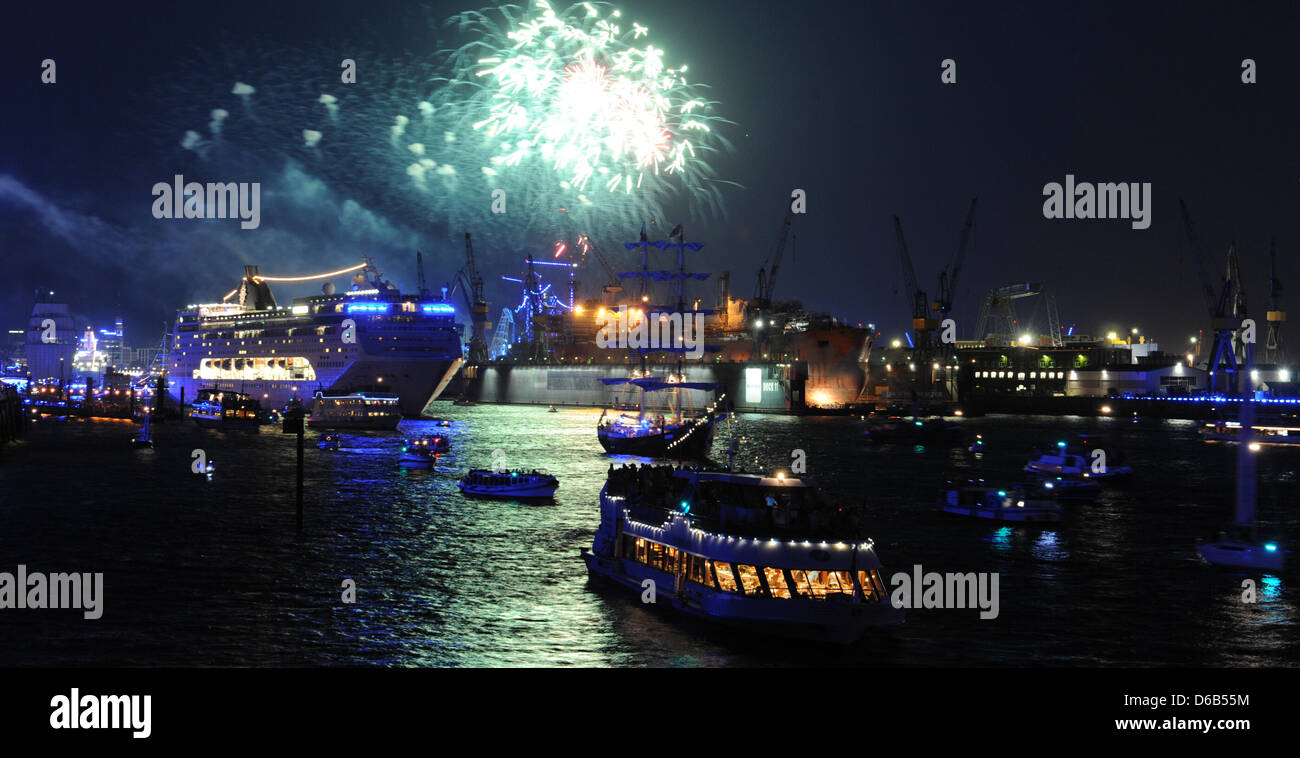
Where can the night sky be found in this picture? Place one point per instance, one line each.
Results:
(843, 100)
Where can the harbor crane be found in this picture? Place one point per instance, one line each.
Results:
(927, 316)
(922, 324)
(948, 283)
(758, 312)
(419, 268)
(609, 291)
(767, 275)
(470, 282)
(998, 319)
(1223, 363)
(1273, 350)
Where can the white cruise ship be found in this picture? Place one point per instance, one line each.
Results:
(369, 338)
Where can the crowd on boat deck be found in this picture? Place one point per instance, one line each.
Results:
(755, 511)
(479, 476)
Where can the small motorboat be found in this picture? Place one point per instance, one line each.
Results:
(978, 445)
(1241, 551)
(329, 441)
(1087, 461)
(423, 452)
(552, 409)
(998, 504)
(509, 484)
(933, 431)
(145, 438)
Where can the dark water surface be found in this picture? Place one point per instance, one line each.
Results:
(202, 573)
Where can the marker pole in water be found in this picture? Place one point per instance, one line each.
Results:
(294, 423)
(300, 435)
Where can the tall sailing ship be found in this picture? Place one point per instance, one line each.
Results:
(674, 435)
(370, 338)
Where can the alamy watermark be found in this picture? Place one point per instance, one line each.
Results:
(952, 590)
(1105, 200)
(641, 330)
(181, 199)
(39, 591)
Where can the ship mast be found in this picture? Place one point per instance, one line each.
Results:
(1245, 516)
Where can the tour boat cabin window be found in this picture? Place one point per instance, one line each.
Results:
(697, 570)
(776, 583)
(749, 579)
(656, 555)
(641, 550)
(801, 586)
(872, 588)
(726, 580)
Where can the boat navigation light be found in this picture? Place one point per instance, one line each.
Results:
(1002, 493)
(1270, 547)
(1048, 485)
(1060, 444)
(780, 475)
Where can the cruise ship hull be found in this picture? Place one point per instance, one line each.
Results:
(416, 385)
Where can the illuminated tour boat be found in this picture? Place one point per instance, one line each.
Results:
(423, 452)
(356, 410)
(762, 554)
(217, 409)
(509, 484)
(1012, 504)
(1230, 431)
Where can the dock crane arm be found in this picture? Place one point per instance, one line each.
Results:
(614, 278)
(770, 284)
(948, 283)
(919, 300)
(1213, 304)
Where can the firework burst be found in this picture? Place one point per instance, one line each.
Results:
(571, 111)
(576, 108)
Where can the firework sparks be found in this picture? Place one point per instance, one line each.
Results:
(571, 109)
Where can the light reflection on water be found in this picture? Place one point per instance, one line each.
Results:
(213, 572)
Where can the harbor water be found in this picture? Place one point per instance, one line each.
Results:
(212, 571)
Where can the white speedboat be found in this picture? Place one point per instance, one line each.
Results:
(423, 452)
(1241, 552)
(521, 485)
(1093, 462)
(986, 501)
(756, 553)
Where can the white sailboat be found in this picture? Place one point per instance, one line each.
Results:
(1242, 548)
